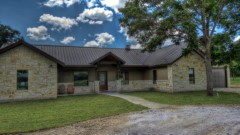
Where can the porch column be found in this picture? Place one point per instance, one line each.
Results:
(96, 86)
(119, 85)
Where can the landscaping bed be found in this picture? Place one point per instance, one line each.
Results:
(35, 115)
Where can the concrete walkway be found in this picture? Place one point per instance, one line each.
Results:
(234, 90)
(140, 101)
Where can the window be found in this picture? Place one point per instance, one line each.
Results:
(191, 76)
(22, 80)
(154, 76)
(80, 78)
(125, 78)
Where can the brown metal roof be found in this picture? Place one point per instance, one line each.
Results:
(84, 56)
(72, 56)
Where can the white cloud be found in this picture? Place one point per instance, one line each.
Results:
(67, 40)
(114, 4)
(101, 40)
(60, 3)
(91, 3)
(136, 46)
(58, 22)
(130, 40)
(91, 44)
(236, 39)
(95, 16)
(38, 33)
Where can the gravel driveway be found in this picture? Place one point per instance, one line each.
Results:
(176, 121)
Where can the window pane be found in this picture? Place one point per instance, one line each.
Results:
(154, 77)
(22, 80)
(191, 75)
(81, 78)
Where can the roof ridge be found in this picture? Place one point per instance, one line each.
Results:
(81, 47)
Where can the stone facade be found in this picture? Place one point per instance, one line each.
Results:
(145, 85)
(180, 75)
(45, 76)
(80, 90)
(112, 85)
(42, 75)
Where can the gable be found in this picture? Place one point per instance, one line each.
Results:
(108, 57)
(28, 46)
(21, 55)
(192, 58)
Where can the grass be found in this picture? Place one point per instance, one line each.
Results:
(189, 98)
(31, 116)
(235, 81)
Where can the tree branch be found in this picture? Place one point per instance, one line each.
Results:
(218, 17)
(203, 17)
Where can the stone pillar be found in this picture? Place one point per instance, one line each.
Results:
(96, 86)
(119, 85)
(228, 76)
(170, 78)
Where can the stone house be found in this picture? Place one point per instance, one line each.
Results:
(40, 71)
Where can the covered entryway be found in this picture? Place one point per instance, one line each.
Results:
(220, 78)
(107, 68)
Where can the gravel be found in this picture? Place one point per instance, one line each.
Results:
(175, 121)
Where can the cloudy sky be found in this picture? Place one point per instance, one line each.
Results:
(92, 23)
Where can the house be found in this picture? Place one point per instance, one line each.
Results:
(40, 71)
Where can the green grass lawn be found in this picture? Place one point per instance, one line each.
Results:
(235, 81)
(189, 98)
(30, 116)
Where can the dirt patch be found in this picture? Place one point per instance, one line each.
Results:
(101, 126)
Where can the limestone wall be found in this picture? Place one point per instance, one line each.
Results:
(112, 85)
(181, 76)
(42, 75)
(145, 85)
(79, 90)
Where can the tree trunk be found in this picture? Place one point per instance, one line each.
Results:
(208, 66)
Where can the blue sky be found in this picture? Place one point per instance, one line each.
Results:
(67, 22)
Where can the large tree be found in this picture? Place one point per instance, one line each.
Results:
(195, 22)
(8, 35)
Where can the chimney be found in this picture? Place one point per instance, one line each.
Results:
(128, 47)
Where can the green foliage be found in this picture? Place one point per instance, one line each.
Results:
(154, 21)
(189, 98)
(224, 50)
(8, 35)
(31, 116)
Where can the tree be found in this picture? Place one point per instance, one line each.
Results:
(8, 35)
(195, 22)
(224, 51)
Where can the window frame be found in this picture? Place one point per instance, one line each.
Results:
(154, 76)
(26, 87)
(191, 77)
(74, 81)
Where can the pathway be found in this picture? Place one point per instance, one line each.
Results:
(234, 90)
(140, 101)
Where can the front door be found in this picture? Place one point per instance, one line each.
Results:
(102, 76)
